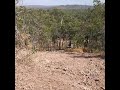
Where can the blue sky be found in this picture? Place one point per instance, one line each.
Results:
(57, 2)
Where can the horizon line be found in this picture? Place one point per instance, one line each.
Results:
(54, 5)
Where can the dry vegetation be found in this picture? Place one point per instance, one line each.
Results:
(60, 49)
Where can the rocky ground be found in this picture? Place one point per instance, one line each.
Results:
(58, 71)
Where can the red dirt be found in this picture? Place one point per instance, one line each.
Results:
(58, 71)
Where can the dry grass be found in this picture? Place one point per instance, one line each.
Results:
(78, 50)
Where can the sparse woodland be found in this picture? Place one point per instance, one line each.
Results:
(57, 29)
(77, 37)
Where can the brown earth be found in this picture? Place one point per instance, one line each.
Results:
(58, 71)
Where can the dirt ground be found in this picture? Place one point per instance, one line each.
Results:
(58, 71)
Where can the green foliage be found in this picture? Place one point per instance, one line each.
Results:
(47, 25)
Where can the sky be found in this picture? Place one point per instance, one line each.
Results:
(57, 2)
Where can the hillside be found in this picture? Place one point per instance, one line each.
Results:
(60, 49)
(58, 71)
(59, 7)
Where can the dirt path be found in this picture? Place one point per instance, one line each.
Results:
(58, 71)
